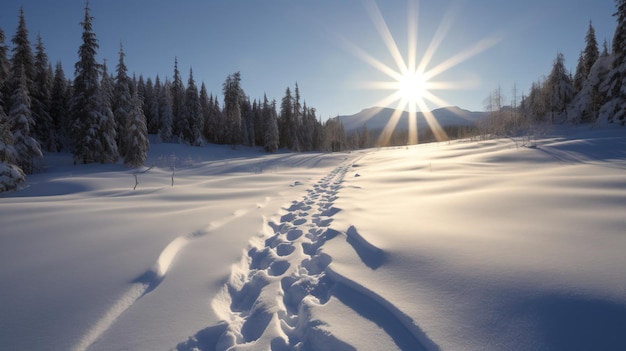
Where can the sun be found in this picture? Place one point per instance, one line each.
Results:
(413, 84)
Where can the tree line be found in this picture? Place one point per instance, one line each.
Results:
(593, 93)
(104, 117)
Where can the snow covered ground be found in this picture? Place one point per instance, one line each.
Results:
(452, 246)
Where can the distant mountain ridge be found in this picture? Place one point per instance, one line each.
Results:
(375, 118)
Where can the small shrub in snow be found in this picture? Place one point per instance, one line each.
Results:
(10, 177)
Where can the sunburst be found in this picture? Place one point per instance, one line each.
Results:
(412, 83)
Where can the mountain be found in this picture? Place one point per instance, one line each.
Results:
(376, 118)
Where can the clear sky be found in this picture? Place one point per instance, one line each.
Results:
(327, 46)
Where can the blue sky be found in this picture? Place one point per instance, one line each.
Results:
(276, 43)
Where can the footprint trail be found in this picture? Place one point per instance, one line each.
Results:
(269, 298)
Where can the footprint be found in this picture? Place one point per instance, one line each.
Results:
(288, 217)
(294, 234)
(299, 221)
(317, 264)
(261, 259)
(278, 268)
(285, 249)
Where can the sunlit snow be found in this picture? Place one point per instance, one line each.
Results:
(463, 245)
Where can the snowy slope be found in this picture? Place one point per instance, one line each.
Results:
(378, 117)
(464, 245)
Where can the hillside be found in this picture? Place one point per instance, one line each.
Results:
(377, 118)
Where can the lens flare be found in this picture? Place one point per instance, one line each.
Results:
(412, 83)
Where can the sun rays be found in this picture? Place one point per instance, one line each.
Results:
(412, 84)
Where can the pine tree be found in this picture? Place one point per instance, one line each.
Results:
(253, 128)
(579, 76)
(559, 87)
(613, 109)
(334, 135)
(270, 137)
(619, 38)
(59, 104)
(178, 103)
(122, 103)
(44, 132)
(22, 58)
(192, 113)
(307, 129)
(213, 125)
(21, 121)
(534, 106)
(165, 112)
(151, 107)
(591, 52)
(259, 124)
(219, 121)
(85, 103)
(4, 71)
(205, 110)
(297, 121)
(108, 124)
(286, 121)
(247, 122)
(137, 130)
(10, 174)
(139, 84)
(233, 96)
(605, 49)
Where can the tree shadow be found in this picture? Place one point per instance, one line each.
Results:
(577, 322)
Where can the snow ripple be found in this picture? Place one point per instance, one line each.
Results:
(148, 281)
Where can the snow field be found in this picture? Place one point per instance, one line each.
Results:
(461, 245)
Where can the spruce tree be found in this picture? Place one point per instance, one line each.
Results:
(59, 104)
(4, 71)
(165, 112)
(307, 128)
(613, 109)
(247, 122)
(559, 87)
(219, 121)
(137, 134)
(591, 52)
(155, 106)
(45, 131)
(297, 121)
(108, 124)
(178, 103)
(21, 122)
(233, 96)
(259, 123)
(580, 76)
(270, 119)
(122, 103)
(22, 57)
(151, 107)
(605, 49)
(10, 174)
(85, 103)
(205, 110)
(213, 125)
(286, 121)
(192, 113)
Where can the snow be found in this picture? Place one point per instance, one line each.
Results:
(457, 245)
